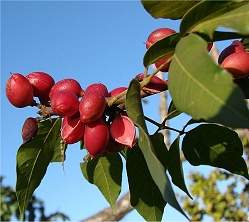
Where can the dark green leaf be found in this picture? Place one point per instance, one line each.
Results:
(202, 89)
(245, 42)
(220, 36)
(244, 86)
(206, 16)
(135, 112)
(217, 146)
(168, 9)
(145, 195)
(172, 111)
(165, 46)
(106, 173)
(170, 159)
(33, 159)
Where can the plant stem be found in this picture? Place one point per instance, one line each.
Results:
(160, 126)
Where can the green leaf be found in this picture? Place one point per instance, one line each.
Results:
(33, 159)
(244, 86)
(202, 89)
(135, 112)
(145, 196)
(217, 146)
(106, 173)
(170, 159)
(206, 16)
(172, 111)
(165, 46)
(168, 9)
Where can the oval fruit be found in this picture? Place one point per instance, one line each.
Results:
(117, 91)
(97, 87)
(96, 137)
(42, 84)
(155, 85)
(235, 47)
(155, 36)
(72, 129)
(158, 34)
(237, 64)
(19, 91)
(64, 103)
(69, 85)
(29, 129)
(123, 131)
(92, 106)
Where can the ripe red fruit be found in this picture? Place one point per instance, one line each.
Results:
(72, 129)
(155, 85)
(69, 85)
(29, 129)
(123, 131)
(98, 87)
(117, 91)
(41, 83)
(237, 64)
(64, 103)
(157, 35)
(235, 47)
(92, 106)
(96, 137)
(19, 91)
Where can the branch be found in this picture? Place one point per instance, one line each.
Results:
(122, 208)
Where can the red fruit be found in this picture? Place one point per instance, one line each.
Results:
(19, 91)
(96, 137)
(235, 47)
(29, 129)
(92, 106)
(123, 130)
(64, 103)
(237, 64)
(156, 84)
(157, 35)
(41, 83)
(69, 85)
(72, 129)
(98, 87)
(117, 91)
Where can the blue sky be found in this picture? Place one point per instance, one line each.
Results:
(90, 41)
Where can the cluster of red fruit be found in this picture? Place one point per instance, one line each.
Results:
(86, 114)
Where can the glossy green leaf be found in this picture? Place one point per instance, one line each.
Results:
(145, 196)
(106, 173)
(217, 146)
(206, 16)
(33, 159)
(135, 112)
(165, 46)
(170, 159)
(202, 89)
(168, 9)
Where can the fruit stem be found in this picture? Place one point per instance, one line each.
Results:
(118, 99)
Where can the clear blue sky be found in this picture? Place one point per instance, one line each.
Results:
(91, 41)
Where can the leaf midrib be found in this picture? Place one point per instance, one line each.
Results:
(205, 88)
